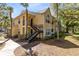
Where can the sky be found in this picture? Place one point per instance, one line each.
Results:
(35, 7)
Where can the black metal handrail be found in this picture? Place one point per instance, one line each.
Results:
(32, 36)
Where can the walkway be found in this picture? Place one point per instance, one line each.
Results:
(9, 48)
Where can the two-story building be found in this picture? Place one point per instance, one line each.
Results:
(42, 19)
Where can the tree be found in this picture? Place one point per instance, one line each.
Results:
(3, 13)
(68, 14)
(25, 5)
(56, 8)
(10, 10)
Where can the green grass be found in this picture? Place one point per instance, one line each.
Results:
(61, 35)
(76, 36)
(76, 33)
(2, 38)
(2, 46)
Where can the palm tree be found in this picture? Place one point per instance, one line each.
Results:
(25, 5)
(10, 10)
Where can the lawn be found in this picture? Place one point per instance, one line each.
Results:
(2, 38)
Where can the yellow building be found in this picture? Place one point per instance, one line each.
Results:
(42, 19)
(14, 30)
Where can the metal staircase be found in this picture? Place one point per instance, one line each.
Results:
(33, 35)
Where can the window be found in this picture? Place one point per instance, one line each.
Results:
(52, 30)
(18, 21)
(23, 30)
(47, 16)
(48, 32)
(18, 31)
(31, 21)
(23, 20)
(47, 19)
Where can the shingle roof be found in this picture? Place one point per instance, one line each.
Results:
(42, 11)
(35, 13)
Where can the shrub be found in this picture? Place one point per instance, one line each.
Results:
(61, 34)
(48, 37)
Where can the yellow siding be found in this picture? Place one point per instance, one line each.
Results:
(39, 19)
(14, 30)
(21, 26)
(48, 25)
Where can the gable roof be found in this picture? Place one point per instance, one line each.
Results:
(42, 11)
(35, 13)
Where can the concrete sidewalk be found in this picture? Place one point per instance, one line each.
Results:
(9, 48)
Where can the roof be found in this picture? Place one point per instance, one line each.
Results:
(35, 13)
(42, 11)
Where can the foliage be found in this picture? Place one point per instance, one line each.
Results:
(68, 15)
(25, 5)
(53, 36)
(48, 37)
(5, 14)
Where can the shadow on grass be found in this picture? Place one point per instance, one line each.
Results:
(61, 43)
(24, 43)
(76, 37)
(27, 46)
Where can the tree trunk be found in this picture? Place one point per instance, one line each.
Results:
(73, 29)
(57, 23)
(67, 29)
(11, 23)
(26, 21)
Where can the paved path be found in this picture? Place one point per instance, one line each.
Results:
(9, 48)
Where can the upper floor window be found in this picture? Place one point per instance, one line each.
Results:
(23, 20)
(48, 16)
(18, 21)
(47, 19)
(23, 30)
